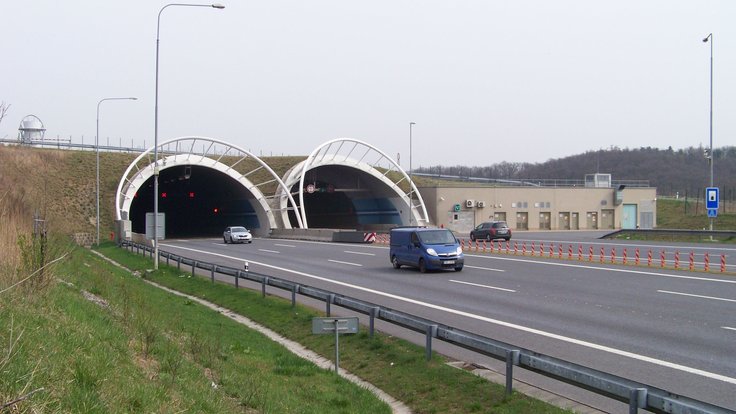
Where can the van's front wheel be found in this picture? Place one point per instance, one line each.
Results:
(395, 262)
(422, 266)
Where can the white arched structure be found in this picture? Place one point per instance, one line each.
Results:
(353, 153)
(213, 154)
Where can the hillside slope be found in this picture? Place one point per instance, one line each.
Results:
(684, 171)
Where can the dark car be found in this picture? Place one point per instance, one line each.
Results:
(491, 230)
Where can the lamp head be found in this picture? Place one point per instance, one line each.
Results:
(218, 6)
(707, 38)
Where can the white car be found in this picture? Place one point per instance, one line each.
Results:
(237, 234)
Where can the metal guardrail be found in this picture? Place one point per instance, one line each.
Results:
(636, 394)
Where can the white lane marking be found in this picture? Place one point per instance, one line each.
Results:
(284, 245)
(364, 254)
(729, 328)
(609, 269)
(345, 263)
(603, 348)
(696, 296)
(483, 286)
(270, 251)
(485, 268)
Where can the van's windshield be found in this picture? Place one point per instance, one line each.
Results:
(436, 237)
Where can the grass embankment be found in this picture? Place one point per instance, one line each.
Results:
(683, 215)
(396, 366)
(130, 347)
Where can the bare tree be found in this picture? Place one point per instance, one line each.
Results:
(3, 110)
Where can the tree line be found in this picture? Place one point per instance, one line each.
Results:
(683, 172)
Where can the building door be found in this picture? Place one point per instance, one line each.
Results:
(545, 220)
(646, 220)
(592, 220)
(499, 216)
(629, 219)
(522, 221)
(574, 222)
(564, 223)
(607, 219)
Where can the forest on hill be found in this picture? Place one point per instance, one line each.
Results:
(683, 172)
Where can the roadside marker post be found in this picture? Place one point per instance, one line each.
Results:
(347, 325)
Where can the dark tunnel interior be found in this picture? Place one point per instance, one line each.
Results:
(346, 198)
(198, 202)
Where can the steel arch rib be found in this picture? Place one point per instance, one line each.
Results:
(308, 163)
(121, 192)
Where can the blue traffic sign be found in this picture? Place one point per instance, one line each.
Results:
(712, 212)
(711, 198)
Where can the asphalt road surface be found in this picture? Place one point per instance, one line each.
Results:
(669, 329)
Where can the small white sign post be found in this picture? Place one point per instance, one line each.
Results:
(329, 325)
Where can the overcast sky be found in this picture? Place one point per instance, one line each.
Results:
(485, 81)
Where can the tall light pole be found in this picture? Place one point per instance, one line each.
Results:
(155, 129)
(711, 159)
(411, 180)
(97, 156)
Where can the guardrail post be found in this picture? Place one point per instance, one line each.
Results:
(293, 295)
(263, 286)
(431, 332)
(237, 276)
(328, 303)
(637, 399)
(168, 256)
(512, 358)
(212, 273)
(194, 266)
(372, 322)
(178, 263)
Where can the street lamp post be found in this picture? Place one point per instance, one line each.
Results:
(411, 180)
(97, 156)
(711, 159)
(155, 129)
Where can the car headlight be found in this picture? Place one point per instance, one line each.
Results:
(459, 250)
(431, 252)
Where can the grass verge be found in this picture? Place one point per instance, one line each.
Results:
(394, 365)
(105, 342)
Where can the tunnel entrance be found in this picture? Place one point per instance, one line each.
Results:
(198, 202)
(341, 197)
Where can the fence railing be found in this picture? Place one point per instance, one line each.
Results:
(636, 394)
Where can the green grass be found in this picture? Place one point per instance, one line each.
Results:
(685, 215)
(150, 351)
(394, 365)
(681, 214)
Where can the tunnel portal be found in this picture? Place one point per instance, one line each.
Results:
(341, 197)
(198, 202)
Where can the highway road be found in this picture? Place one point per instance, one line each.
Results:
(670, 329)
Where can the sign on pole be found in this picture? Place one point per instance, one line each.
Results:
(336, 326)
(712, 198)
